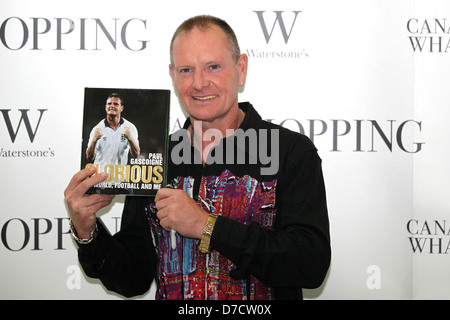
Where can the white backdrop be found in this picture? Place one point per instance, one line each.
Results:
(365, 80)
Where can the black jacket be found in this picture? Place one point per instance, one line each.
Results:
(294, 255)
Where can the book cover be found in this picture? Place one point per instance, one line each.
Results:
(125, 133)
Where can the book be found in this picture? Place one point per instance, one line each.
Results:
(125, 133)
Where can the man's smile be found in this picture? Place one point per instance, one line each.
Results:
(204, 98)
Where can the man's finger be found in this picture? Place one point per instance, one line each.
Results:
(79, 177)
(164, 221)
(164, 193)
(92, 181)
(100, 203)
(97, 199)
(80, 184)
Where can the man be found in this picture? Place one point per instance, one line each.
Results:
(114, 137)
(241, 234)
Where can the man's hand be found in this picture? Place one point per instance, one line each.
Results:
(83, 207)
(90, 151)
(97, 134)
(126, 132)
(178, 211)
(134, 147)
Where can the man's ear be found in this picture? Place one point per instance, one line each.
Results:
(171, 71)
(243, 65)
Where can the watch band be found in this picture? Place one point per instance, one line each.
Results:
(205, 242)
(82, 241)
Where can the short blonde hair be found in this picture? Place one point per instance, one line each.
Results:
(204, 22)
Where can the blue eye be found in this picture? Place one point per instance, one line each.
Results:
(185, 70)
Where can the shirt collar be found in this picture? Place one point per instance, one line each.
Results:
(120, 122)
(250, 120)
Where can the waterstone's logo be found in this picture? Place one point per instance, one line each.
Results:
(30, 121)
(25, 120)
(278, 21)
(429, 236)
(277, 28)
(429, 35)
(77, 34)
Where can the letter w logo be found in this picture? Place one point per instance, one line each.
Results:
(25, 119)
(280, 20)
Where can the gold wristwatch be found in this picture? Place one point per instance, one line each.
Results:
(205, 242)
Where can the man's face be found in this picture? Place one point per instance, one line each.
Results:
(113, 106)
(205, 75)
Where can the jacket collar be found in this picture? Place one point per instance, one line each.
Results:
(251, 119)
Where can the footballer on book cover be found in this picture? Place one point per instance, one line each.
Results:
(125, 133)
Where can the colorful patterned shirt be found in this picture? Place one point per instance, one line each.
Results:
(185, 273)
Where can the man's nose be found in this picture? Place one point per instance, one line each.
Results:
(200, 80)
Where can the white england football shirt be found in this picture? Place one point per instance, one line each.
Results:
(112, 147)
